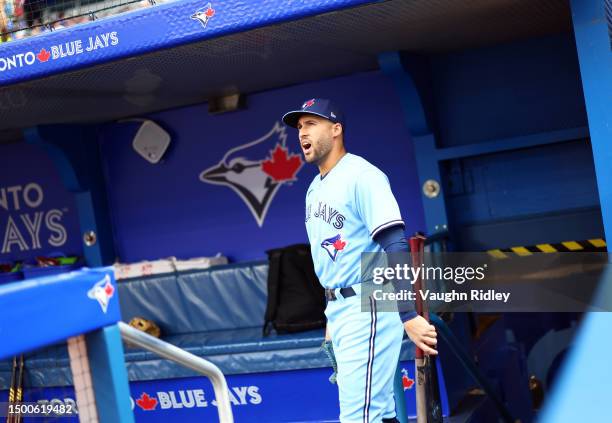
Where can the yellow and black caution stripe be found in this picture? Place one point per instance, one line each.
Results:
(590, 245)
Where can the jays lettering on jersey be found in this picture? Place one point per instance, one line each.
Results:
(344, 211)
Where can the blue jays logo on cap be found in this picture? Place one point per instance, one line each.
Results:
(333, 246)
(308, 103)
(315, 106)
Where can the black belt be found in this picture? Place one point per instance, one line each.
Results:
(330, 294)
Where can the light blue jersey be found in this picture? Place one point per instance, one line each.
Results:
(344, 211)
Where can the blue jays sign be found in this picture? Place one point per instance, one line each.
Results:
(36, 212)
(256, 170)
(204, 14)
(283, 396)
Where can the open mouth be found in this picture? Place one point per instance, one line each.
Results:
(306, 146)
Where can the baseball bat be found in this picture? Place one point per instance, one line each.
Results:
(11, 393)
(19, 390)
(428, 404)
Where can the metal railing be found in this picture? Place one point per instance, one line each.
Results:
(184, 358)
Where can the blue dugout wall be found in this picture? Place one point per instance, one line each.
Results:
(167, 209)
(480, 96)
(526, 96)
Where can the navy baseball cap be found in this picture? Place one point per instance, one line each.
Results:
(315, 106)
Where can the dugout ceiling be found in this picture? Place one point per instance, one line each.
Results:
(312, 48)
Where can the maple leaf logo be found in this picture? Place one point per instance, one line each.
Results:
(43, 55)
(407, 382)
(146, 402)
(109, 289)
(210, 12)
(339, 244)
(282, 167)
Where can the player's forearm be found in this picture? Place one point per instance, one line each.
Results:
(392, 240)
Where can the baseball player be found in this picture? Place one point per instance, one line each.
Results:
(350, 209)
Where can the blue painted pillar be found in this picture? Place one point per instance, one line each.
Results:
(595, 58)
(415, 110)
(583, 389)
(74, 150)
(109, 375)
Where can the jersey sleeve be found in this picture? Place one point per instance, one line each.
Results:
(375, 202)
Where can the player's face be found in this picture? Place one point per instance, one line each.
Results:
(316, 137)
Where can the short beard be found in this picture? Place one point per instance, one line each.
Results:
(320, 154)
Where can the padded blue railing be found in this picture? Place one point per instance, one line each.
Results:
(143, 31)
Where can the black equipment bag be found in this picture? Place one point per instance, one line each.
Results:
(296, 299)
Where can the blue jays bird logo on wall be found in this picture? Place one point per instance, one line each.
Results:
(256, 170)
(204, 14)
(333, 246)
